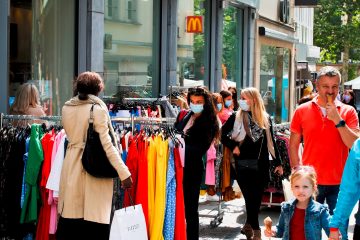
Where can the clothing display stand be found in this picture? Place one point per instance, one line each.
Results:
(132, 120)
(143, 120)
(28, 118)
(273, 196)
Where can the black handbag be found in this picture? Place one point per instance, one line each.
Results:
(94, 159)
(249, 164)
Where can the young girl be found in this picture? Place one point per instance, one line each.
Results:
(302, 218)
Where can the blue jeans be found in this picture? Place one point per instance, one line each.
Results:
(329, 193)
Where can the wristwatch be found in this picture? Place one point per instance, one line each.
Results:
(340, 124)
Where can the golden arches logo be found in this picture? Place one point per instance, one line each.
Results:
(194, 24)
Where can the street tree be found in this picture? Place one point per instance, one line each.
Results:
(337, 31)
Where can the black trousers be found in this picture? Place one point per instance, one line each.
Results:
(73, 229)
(252, 187)
(191, 184)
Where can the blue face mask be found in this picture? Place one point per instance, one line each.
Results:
(228, 103)
(219, 106)
(244, 105)
(196, 108)
(347, 98)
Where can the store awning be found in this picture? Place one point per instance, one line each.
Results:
(355, 83)
(250, 3)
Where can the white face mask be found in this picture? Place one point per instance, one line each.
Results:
(244, 105)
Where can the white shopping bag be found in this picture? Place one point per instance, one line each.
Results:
(129, 224)
(288, 194)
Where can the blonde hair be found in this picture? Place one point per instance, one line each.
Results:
(26, 96)
(307, 172)
(258, 111)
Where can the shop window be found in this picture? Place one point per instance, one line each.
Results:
(128, 49)
(274, 81)
(42, 49)
(191, 46)
(232, 47)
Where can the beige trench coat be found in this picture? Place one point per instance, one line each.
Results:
(81, 195)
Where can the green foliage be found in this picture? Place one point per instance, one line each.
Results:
(229, 40)
(353, 71)
(331, 34)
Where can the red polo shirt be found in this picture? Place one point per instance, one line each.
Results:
(323, 146)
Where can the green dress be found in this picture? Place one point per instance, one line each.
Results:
(29, 212)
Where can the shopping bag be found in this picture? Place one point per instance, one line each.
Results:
(129, 224)
(288, 194)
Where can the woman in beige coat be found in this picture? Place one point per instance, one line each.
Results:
(85, 201)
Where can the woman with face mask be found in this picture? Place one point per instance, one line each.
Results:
(226, 111)
(349, 98)
(249, 134)
(200, 127)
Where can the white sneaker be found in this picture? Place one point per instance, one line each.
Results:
(214, 198)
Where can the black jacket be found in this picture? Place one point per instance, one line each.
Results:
(197, 139)
(250, 149)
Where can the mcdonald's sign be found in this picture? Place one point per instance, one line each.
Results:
(194, 24)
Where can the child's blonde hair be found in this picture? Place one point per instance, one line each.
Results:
(306, 172)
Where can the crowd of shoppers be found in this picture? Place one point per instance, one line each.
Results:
(328, 128)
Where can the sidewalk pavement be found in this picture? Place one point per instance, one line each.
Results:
(235, 216)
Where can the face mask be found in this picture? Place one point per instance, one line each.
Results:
(228, 103)
(196, 108)
(347, 98)
(243, 105)
(219, 106)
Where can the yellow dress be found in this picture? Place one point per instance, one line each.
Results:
(151, 155)
(162, 148)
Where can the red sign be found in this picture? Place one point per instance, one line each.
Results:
(194, 24)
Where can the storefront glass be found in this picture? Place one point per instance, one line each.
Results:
(232, 47)
(274, 81)
(42, 49)
(191, 46)
(128, 48)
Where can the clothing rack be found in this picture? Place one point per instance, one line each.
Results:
(280, 126)
(126, 100)
(143, 120)
(28, 118)
(131, 120)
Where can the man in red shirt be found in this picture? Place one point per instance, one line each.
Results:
(329, 128)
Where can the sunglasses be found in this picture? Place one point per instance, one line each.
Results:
(329, 73)
(196, 90)
(303, 168)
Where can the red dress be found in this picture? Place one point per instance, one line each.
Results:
(42, 232)
(180, 226)
(142, 188)
(132, 163)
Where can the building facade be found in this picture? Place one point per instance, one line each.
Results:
(142, 47)
(275, 57)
